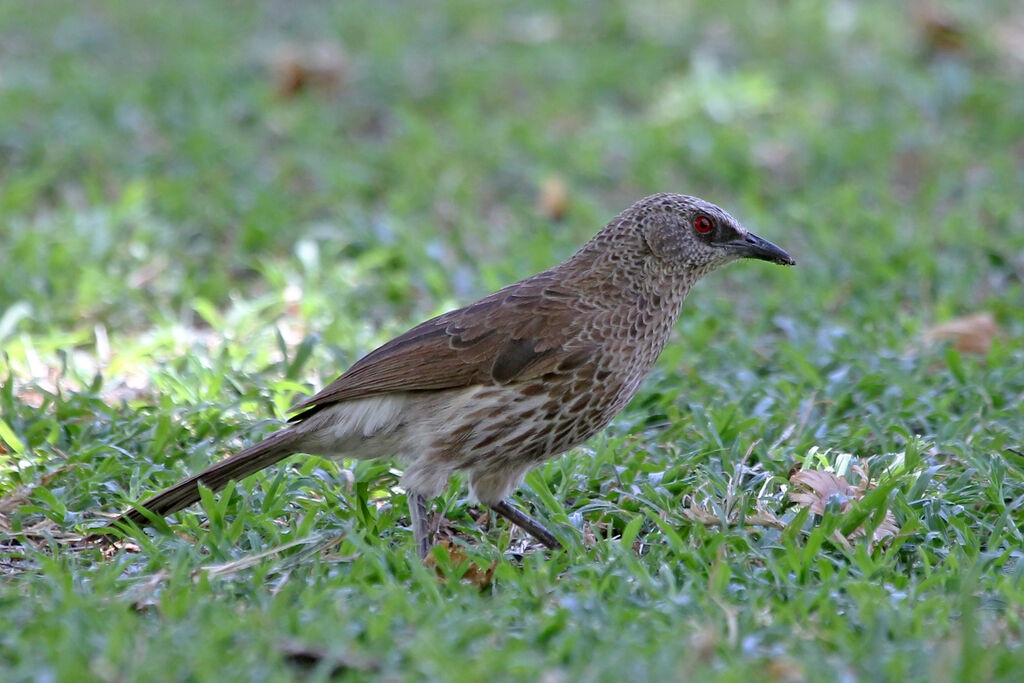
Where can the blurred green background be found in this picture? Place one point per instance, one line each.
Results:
(206, 207)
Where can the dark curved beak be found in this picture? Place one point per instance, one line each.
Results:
(752, 246)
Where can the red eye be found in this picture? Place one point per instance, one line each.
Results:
(703, 224)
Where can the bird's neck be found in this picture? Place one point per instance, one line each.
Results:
(638, 294)
(629, 276)
(660, 298)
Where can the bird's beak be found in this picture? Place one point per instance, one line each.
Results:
(752, 246)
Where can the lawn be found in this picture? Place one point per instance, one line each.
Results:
(209, 210)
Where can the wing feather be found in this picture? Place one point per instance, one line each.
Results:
(518, 333)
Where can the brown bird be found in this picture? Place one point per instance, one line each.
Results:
(498, 387)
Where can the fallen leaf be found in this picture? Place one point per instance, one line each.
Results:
(553, 198)
(818, 489)
(969, 334)
(940, 31)
(782, 668)
(472, 573)
(319, 66)
(110, 549)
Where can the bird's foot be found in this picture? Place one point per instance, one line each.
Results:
(528, 524)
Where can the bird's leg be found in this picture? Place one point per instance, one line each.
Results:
(527, 523)
(420, 525)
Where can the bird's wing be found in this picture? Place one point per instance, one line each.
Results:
(520, 332)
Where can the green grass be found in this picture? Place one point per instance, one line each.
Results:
(183, 250)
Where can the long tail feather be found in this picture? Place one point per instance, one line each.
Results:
(270, 450)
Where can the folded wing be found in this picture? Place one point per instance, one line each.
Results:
(522, 332)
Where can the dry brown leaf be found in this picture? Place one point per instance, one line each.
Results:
(969, 334)
(110, 548)
(820, 489)
(699, 513)
(553, 198)
(473, 573)
(940, 31)
(782, 668)
(319, 66)
(816, 489)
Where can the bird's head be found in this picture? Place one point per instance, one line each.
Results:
(690, 235)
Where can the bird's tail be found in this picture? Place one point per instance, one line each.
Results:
(270, 450)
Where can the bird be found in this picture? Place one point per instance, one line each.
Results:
(498, 387)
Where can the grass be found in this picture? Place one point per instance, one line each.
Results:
(185, 248)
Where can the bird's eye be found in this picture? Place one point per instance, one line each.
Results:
(703, 224)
